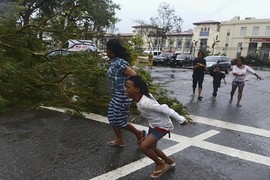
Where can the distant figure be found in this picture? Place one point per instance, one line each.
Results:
(118, 73)
(240, 71)
(217, 77)
(150, 60)
(199, 65)
(159, 118)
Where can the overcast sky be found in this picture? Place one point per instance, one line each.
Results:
(190, 11)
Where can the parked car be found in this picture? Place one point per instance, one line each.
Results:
(72, 46)
(59, 52)
(222, 61)
(182, 60)
(154, 52)
(163, 59)
(80, 45)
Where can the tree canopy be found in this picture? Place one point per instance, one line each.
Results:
(166, 21)
(28, 77)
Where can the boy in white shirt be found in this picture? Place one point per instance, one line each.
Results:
(159, 122)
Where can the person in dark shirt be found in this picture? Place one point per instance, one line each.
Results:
(217, 77)
(199, 65)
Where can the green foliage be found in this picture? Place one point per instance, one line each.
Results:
(137, 42)
(255, 60)
(78, 81)
(3, 105)
(207, 53)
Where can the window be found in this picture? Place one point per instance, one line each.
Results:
(267, 31)
(239, 44)
(243, 31)
(179, 44)
(255, 31)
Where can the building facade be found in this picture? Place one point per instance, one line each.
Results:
(206, 36)
(245, 37)
(234, 38)
(180, 42)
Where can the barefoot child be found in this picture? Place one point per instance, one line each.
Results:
(159, 122)
(217, 77)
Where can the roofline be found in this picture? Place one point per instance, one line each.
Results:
(206, 22)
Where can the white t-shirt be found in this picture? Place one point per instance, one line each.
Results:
(158, 115)
(242, 72)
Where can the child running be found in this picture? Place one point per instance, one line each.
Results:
(159, 123)
(217, 77)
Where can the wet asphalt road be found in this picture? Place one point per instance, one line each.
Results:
(45, 144)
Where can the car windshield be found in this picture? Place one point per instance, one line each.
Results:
(211, 59)
(163, 55)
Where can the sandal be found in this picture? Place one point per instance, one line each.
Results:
(158, 173)
(115, 144)
(143, 138)
(172, 165)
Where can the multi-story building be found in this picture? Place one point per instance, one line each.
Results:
(180, 42)
(206, 36)
(234, 37)
(243, 37)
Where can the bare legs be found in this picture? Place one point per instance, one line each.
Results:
(240, 92)
(148, 147)
(239, 97)
(129, 127)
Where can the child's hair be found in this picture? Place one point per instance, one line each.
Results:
(138, 82)
(117, 47)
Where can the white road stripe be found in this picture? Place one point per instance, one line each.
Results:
(231, 126)
(233, 152)
(185, 142)
(198, 119)
(137, 165)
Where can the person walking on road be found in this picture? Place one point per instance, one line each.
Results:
(217, 77)
(240, 70)
(159, 120)
(199, 65)
(118, 111)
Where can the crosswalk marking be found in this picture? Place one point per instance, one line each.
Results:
(137, 165)
(184, 142)
(231, 126)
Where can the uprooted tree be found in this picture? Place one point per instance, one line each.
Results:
(29, 78)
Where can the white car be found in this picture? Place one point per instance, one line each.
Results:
(80, 45)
